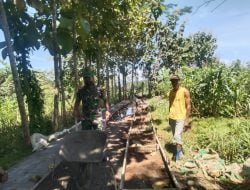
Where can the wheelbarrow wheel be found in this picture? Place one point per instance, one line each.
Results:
(83, 181)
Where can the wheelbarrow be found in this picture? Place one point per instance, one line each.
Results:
(86, 149)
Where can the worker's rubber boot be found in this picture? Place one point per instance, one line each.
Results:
(179, 153)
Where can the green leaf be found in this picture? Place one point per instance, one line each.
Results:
(85, 25)
(66, 23)
(84, 29)
(2, 44)
(162, 7)
(65, 41)
(4, 53)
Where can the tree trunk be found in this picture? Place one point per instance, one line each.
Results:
(125, 77)
(26, 88)
(107, 82)
(149, 84)
(74, 56)
(102, 73)
(85, 61)
(123, 85)
(56, 67)
(137, 80)
(119, 85)
(142, 89)
(18, 90)
(98, 67)
(132, 82)
(112, 84)
(115, 86)
(76, 76)
(149, 88)
(64, 119)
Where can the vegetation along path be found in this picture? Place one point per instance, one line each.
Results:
(143, 166)
(25, 173)
(126, 48)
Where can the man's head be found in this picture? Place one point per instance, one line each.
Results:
(88, 76)
(175, 81)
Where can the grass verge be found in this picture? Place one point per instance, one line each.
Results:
(227, 136)
(12, 147)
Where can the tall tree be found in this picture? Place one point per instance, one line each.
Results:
(107, 82)
(62, 92)
(56, 66)
(203, 48)
(119, 83)
(24, 120)
(29, 34)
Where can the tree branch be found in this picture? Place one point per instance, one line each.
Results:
(206, 3)
(218, 5)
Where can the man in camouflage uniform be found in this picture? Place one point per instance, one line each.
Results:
(93, 100)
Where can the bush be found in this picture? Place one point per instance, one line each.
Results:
(8, 112)
(216, 90)
(229, 137)
(12, 147)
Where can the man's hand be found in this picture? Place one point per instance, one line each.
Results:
(187, 125)
(107, 115)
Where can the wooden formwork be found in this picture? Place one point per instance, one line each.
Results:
(115, 109)
(158, 146)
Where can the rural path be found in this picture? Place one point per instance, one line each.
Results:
(131, 144)
(38, 163)
(106, 174)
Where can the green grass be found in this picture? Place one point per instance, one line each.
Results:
(12, 147)
(227, 136)
(15, 155)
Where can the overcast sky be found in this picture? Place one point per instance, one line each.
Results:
(229, 23)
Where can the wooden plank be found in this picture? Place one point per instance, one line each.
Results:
(125, 157)
(165, 160)
(145, 148)
(45, 176)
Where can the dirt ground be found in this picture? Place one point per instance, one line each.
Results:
(145, 166)
(106, 174)
(144, 163)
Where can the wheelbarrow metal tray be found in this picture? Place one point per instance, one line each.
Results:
(83, 146)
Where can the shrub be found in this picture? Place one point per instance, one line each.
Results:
(229, 137)
(216, 90)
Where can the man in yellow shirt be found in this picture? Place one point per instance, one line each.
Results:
(179, 112)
